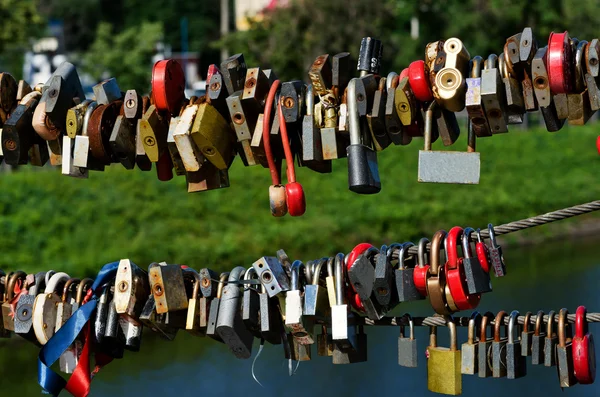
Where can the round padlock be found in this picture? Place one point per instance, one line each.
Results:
(418, 77)
(584, 352)
(558, 60)
(455, 274)
(99, 129)
(168, 86)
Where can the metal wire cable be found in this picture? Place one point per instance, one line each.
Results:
(539, 220)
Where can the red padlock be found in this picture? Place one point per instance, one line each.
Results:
(559, 60)
(418, 77)
(351, 294)
(455, 274)
(168, 86)
(296, 202)
(277, 192)
(584, 352)
(482, 252)
(420, 272)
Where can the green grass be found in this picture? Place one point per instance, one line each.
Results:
(52, 221)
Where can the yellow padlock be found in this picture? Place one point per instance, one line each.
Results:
(444, 364)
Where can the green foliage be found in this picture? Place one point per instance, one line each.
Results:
(126, 55)
(49, 220)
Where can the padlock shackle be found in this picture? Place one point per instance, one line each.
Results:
(83, 286)
(389, 251)
(330, 267)
(539, 320)
(434, 254)
(249, 275)
(339, 278)
(491, 62)
(55, 282)
(318, 268)
(309, 99)
(453, 337)
(475, 67)
(580, 69)
(411, 326)
(297, 266)
(549, 324)
(562, 327)
(466, 242)
(11, 284)
(581, 324)
(390, 80)
(454, 237)
(353, 118)
(86, 117)
(68, 285)
(285, 142)
(502, 65)
(487, 318)
(39, 283)
(429, 114)
(266, 132)
(492, 235)
(471, 331)
(527, 322)
(236, 274)
(197, 281)
(498, 322)
(222, 280)
(512, 324)
(403, 250)
(422, 252)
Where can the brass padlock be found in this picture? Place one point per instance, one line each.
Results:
(444, 364)
(153, 130)
(167, 286)
(212, 135)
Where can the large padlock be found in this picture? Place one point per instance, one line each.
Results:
(443, 365)
(212, 135)
(230, 325)
(447, 167)
(301, 327)
(478, 280)
(363, 171)
(167, 286)
(516, 363)
(457, 293)
(407, 346)
(469, 349)
(45, 308)
(584, 353)
(564, 351)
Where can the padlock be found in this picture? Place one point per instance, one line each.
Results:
(133, 105)
(564, 351)
(272, 275)
(315, 295)
(64, 308)
(404, 275)
(447, 167)
(469, 349)
(67, 167)
(376, 119)
(153, 131)
(539, 76)
(209, 282)
(457, 293)
(436, 276)
(363, 172)
(443, 365)
(450, 87)
(361, 276)
(516, 363)
(537, 340)
(18, 135)
(312, 146)
(418, 76)
(168, 86)
(4, 333)
(167, 286)
(132, 334)
(369, 56)
(191, 156)
(217, 91)
(406, 105)
(244, 120)
(156, 322)
(392, 120)
(82, 156)
(299, 352)
(45, 308)
(584, 353)
(550, 341)
(578, 102)
(499, 346)
(131, 290)
(514, 96)
(496, 256)
(271, 323)
(141, 158)
(13, 284)
(324, 343)
(230, 326)
(384, 285)
(251, 303)
(192, 324)
(234, 73)
(478, 280)
(484, 347)
(341, 72)
(474, 100)
(23, 311)
(526, 335)
(171, 158)
(99, 129)
(493, 96)
(559, 60)
(122, 142)
(302, 328)
(211, 329)
(344, 336)
(420, 273)
(407, 346)
(113, 342)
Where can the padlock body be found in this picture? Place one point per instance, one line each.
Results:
(443, 371)
(407, 352)
(564, 358)
(363, 171)
(484, 351)
(478, 281)
(470, 359)
(405, 285)
(516, 363)
(499, 358)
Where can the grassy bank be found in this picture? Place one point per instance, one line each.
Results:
(52, 221)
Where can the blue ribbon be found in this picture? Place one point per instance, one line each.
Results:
(50, 381)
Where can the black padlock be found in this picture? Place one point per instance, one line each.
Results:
(384, 284)
(405, 284)
(363, 171)
(478, 280)
(369, 56)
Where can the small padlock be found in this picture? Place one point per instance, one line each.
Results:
(584, 353)
(537, 340)
(469, 349)
(234, 72)
(499, 346)
(526, 335)
(516, 363)
(420, 273)
(251, 303)
(302, 329)
(64, 309)
(211, 329)
(484, 347)
(167, 286)
(514, 94)
(550, 341)
(384, 284)
(474, 101)
(315, 295)
(407, 346)
(192, 324)
(404, 275)
(564, 351)
(443, 365)
(45, 308)
(493, 96)
(496, 255)
(478, 280)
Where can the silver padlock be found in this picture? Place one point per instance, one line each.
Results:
(302, 329)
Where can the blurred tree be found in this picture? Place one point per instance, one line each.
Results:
(126, 55)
